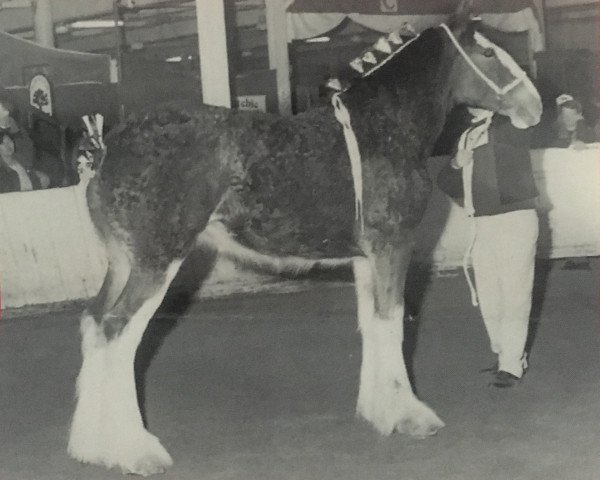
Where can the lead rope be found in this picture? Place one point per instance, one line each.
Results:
(469, 251)
(465, 264)
(471, 143)
(343, 116)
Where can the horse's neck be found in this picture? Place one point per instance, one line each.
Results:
(409, 115)
(409, 104)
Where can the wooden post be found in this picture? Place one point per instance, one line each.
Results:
(278, 51)
(118, 58)
(212, 45)
(43, 24)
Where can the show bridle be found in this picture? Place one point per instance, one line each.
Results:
(500, 91)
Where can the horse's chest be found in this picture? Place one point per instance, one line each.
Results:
(395, 195)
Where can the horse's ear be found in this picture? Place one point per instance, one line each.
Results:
(461, 17)
(464, 10)
(463, 22)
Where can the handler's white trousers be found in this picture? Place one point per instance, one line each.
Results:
(503, 262)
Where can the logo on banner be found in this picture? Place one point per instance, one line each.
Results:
(388, 6)
(40, 95)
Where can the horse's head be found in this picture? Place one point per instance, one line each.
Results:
(485, 76)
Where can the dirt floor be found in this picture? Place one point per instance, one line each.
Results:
(261, 387)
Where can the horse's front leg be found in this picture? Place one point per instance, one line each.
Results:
(386, 398)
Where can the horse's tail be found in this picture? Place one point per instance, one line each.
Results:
(216, 236)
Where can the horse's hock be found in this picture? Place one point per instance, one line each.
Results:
(44, 261)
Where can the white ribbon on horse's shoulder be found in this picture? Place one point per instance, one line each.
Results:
(343, 116)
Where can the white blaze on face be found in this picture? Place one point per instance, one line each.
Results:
(517, 72)
(508, 62)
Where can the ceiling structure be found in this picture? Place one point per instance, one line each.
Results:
(144, 21)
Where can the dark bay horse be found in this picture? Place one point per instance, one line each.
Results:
(279, 194)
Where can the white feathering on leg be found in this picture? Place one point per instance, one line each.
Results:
(107, 427)
(385, 398)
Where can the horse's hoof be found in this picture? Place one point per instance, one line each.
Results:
(419, 421)
(152, 458)
(146, 466)
(406, 414)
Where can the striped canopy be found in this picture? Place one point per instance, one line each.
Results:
(310, 18)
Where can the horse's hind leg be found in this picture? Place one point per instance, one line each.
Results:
(117, 274)
(386, 398)
(107, 427)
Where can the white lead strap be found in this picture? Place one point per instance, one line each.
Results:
(465, 265)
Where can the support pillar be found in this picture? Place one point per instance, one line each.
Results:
(278, 51)
(212, 45)
(43, 23)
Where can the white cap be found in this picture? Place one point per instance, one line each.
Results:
(564, 98)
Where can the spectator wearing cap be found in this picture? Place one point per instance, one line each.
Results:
(24, 148)
(569, 130)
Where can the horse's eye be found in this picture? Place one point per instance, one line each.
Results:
(489, 52)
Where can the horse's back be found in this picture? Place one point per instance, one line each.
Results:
(282, 185)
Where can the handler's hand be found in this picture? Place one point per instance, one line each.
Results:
(462, 158)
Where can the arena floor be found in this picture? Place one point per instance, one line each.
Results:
(261, 387)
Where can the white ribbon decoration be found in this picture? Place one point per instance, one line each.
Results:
(343, 116)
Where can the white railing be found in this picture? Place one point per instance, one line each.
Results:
(49, 252)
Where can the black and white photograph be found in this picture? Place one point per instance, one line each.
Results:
(299, 239)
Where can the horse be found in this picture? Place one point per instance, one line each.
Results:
(277, 194)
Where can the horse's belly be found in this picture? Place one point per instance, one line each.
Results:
(319, 225)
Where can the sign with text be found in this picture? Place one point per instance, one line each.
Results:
(252, 102)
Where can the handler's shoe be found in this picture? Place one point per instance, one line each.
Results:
(493, 369)
(504, 380)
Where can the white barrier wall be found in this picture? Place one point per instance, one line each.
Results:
(569, 211)
(49, 252)
(48, 248)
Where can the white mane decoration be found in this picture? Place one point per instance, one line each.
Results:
(385, 45)
(368, 62)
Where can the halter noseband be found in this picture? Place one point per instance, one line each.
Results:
(488, 81)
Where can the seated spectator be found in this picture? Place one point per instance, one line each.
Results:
(569, 129)
(14, 177)
(23, 143)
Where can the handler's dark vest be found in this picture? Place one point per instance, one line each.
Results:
(502, 173)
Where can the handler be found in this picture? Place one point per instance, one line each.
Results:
(491, 176)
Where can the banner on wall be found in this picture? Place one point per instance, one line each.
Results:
(40, 94)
